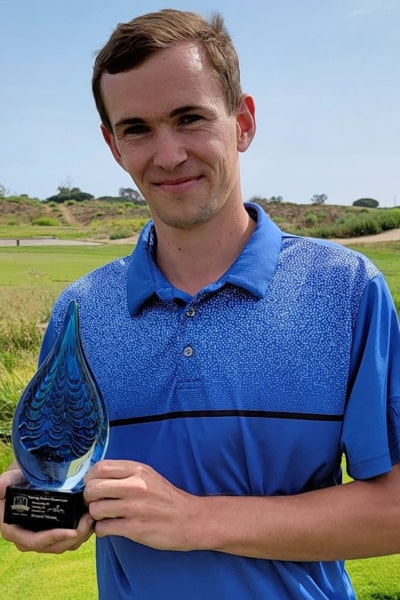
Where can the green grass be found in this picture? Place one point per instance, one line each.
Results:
(387, 259)
(30, 576)
(6, 456)
(376, 578)
(60, 265)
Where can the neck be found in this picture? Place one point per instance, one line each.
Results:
(193, 258)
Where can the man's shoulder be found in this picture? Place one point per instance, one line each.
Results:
(106, 283)
(324, 254)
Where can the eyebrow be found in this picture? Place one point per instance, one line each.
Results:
(139, 121)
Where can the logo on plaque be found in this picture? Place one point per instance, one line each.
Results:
(21, 504)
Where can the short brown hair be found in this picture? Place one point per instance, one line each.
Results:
(132, 43)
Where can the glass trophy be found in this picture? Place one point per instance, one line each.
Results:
(60, 429)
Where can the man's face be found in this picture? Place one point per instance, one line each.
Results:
(172, 133)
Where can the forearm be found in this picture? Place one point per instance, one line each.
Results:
(355, 520)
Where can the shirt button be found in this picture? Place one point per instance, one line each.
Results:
(188, 351)
(190, 312)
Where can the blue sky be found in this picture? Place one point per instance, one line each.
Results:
(324, 75)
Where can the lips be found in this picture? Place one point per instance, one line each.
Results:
(176, 181)
(177, 184)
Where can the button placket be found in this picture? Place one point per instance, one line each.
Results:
(188, 349)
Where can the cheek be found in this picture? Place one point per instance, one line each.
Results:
(131, 160)
(218, 153)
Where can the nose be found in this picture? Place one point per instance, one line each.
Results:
(169, 151)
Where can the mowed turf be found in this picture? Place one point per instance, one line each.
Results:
(61, 265)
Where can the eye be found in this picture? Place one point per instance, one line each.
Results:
(135, 129)
(189, 119)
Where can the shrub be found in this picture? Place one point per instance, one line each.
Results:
(46, 222)
(325, 232)
(389, 219)
(310, 218)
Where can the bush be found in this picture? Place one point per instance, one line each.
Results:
(353, 226)
(46, 222)
(389, 219)
(311, 218)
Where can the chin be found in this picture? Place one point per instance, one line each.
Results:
(188, 221)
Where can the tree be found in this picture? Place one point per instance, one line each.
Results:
(131, 195)
(366, 202)
(319, 199)
(66, 193)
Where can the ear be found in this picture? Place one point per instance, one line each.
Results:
(111, 143)
(245, 122)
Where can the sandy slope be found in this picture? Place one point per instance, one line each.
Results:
(392, 235)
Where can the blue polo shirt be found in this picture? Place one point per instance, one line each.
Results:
(257, 385)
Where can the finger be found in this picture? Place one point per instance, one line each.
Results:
(54, 541)
(110, 509)
(37, 541)
(131, 485)
(108, 527)
(114, 469)
(13, 477)
(85, 531)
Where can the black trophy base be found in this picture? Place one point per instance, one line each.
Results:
(37, 510)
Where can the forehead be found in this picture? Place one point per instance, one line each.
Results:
(177, 76)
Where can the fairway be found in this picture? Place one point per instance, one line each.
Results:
(60, 265)
(387, 259)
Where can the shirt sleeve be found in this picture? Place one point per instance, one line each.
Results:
(371, 427)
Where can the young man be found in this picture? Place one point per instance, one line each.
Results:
(239, 364)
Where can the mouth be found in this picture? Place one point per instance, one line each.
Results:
(179, 184)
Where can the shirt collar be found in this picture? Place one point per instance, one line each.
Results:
(252, 270)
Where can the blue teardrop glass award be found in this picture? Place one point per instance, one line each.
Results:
(60, 429)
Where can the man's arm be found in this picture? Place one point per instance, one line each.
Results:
(358, 519)
(355, 520)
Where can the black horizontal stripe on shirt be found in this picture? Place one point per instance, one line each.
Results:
(193, 414)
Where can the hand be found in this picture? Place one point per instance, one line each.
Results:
(54, 541)
(130, 499)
